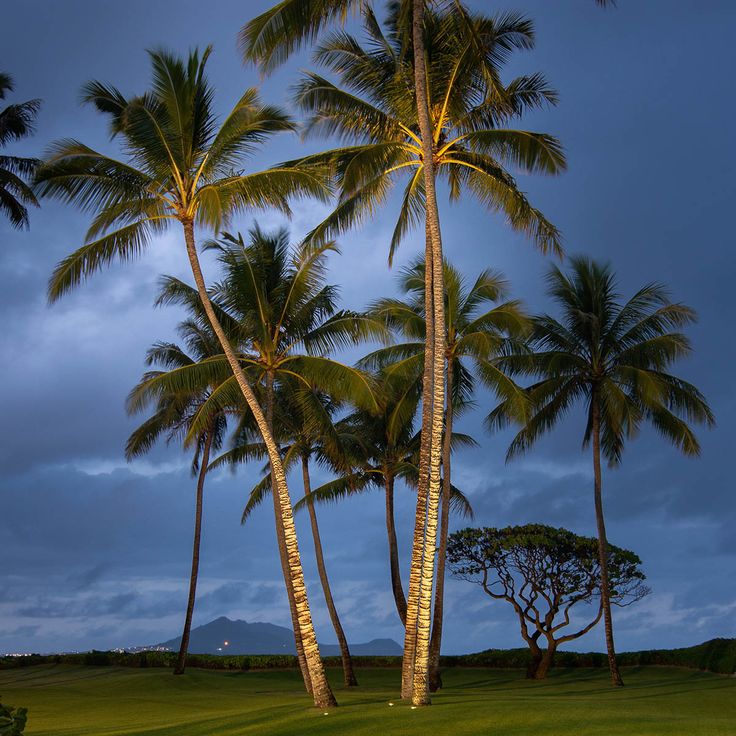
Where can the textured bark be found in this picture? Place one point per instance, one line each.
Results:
(435, 679)
(347, 662)
(283, 554)
(537, 655)
(415, 570)
(183, 648)
(393, 548)
(420, 681)
(321, 691)
(544, 663)
(616, 678)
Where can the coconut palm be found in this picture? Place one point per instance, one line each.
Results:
(303, 425)
(479, 327)
(373, 105)
(614, 356)
(268, 40)
(283, 318)
(182, 165)
(16, 122)
(171, 419)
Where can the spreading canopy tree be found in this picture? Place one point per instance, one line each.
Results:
(544, 573)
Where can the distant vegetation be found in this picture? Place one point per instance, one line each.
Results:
(717, 656)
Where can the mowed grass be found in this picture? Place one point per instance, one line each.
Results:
(109, 701)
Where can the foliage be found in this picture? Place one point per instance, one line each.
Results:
(12, 720)
(16, 121)
(616, 352)
(373, 108)
(543, 573)
(179, 164)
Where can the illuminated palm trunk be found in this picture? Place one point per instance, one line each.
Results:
(283, 554)
(347, 661)
(435, 680)
(434, 304)
(321, 691)
(184, 646)
(415, 570)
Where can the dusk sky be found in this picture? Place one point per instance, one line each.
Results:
(95, 551)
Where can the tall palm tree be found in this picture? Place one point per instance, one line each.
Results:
(171, 419)
(268, 40)
(181, 165)
(374, 105)
(283, 318)
(16, 122)
(478, 329)
(303, 425)
(614, 356)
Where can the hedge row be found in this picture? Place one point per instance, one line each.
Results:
(717, 655)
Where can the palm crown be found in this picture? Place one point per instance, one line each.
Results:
(281, 317)
(181, 163)
(612, 355)
(16, 121)
(374, 105)
(481, 326)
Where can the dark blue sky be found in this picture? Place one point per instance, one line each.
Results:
(95, 552)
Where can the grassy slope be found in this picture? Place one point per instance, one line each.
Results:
(109, 701)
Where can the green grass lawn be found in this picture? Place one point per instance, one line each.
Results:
(107, 701)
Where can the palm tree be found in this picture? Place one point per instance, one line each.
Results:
(273, 302)
(477, 330)
(303, 425)
(614, 357)
(268, 40)
(181, 165)
(171, 419)
(16, 122)
(375, 106)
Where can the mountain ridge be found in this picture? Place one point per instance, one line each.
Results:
(236, 636)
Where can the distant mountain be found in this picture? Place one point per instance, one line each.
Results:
(223, 636)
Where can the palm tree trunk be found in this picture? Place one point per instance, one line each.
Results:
(435, 679)
(417, 552)
(184, 646)
(321, 692)
(393, 547)
(420, 688)
(347, 661)
(283, 555)
(616, 678)
(420, 680)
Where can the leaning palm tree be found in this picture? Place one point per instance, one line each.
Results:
(479, 328)
(614, 356)
(283, 318)
(303, 424)
(16, 122)
(171, 419)
(182, 165)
